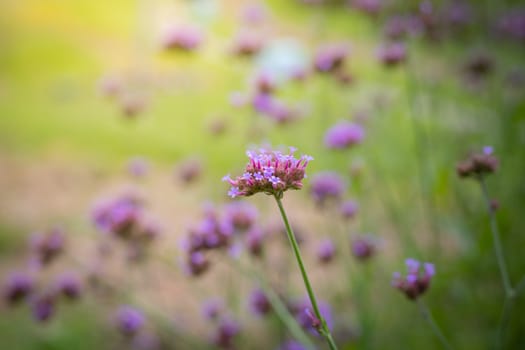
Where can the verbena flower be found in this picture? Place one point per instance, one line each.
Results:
(254, 241)
(417, 280)
(212, 308)
(270, 172)
(302, 310)
(241, 215)
(392, 54)
(363, 247)
(292, 345)
(129, 320)
(47, 246)
(225, 333)
(344, 135)
(183, 38)
(478, 164)
(326, 250)
(259, 303)
(330, 57)
(17, 287)
(348, 209)
(327, 185)
(43, 307)
(69, 285)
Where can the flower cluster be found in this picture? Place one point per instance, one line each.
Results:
(259, 303)
(47, 246)
(270, 172)
(326, 250)
(303, 313)
(417, 280)
(478, 164)
(363, 247)
(129, 320)
(183, 38)
(330, 58)
(392, 54)
(343, 135)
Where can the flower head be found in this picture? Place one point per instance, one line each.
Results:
(349, 209)
(129, 320)
(270, 172)
(363, 247)
(259, 303)
(43, 307)
(69, 285)
(343, 135)
(478, 164)
(183, 38)
(330, 58)
(326, 250)
(392, 54)
(17, 287)
(326, 185)
(417, 280)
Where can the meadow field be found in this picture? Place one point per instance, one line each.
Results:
(153, 153)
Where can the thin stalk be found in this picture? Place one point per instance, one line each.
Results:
(497, 242)
(324, 330)
(278, 306)
(427, 315)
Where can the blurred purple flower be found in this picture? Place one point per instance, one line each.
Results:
(241, 214)
(370, 7)
(225, 333)
(349, 209)
(254, 241)
(69, 285)
(302, 310)
(17, 287)
(138, 167)
(247, 44)
(129, 320)
(212, 308)
(254, 13)
(326, 250)
(392, 54)
(343, 135)
(43, 307)
(48, 245)
(330, 57)
(326, 185)
(185, 38)
(417, 280)
(292, 345)
(189, 170)
(259, 303)
(363, 247)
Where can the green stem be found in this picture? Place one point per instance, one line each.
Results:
(427, 315)
(497, 242)
(325, 332)
(278, 306)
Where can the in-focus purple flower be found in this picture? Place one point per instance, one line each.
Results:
(186, 38)
(225, 333)
(129, 320)
(43, 307)
(343, 135)
(259, 303)
(392, 54)
(17, 287)
(326, 250)
(363, 247)
(330, 57)
(280, 172)
(349, 209)
(47, 246)
(327, 185)
(212, 308)
(478, 164)
(417, 280)
(69, 285)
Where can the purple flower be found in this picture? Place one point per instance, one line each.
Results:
(129, 320)
(254, 241)
(326, 185)
(287, 172)
(478, 164)
(370, 7)
(330, 58)
(392, 54)
(326, 250)
(417, 280)
(225, 333)
(349, 209)
(212, 308)
(254, 13)
(118, 216)
(69, 285)
(292, 345)
(263, 102)
(259, 303)
(196, 264)
(189, 170)
(47, 246)
(303, 312)
(363, 247)
(247, 44)
(241, 215)
(512, 24)
(18, 286)
(43, 307)
(138, 167)
(183, 38)
(343, 135)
